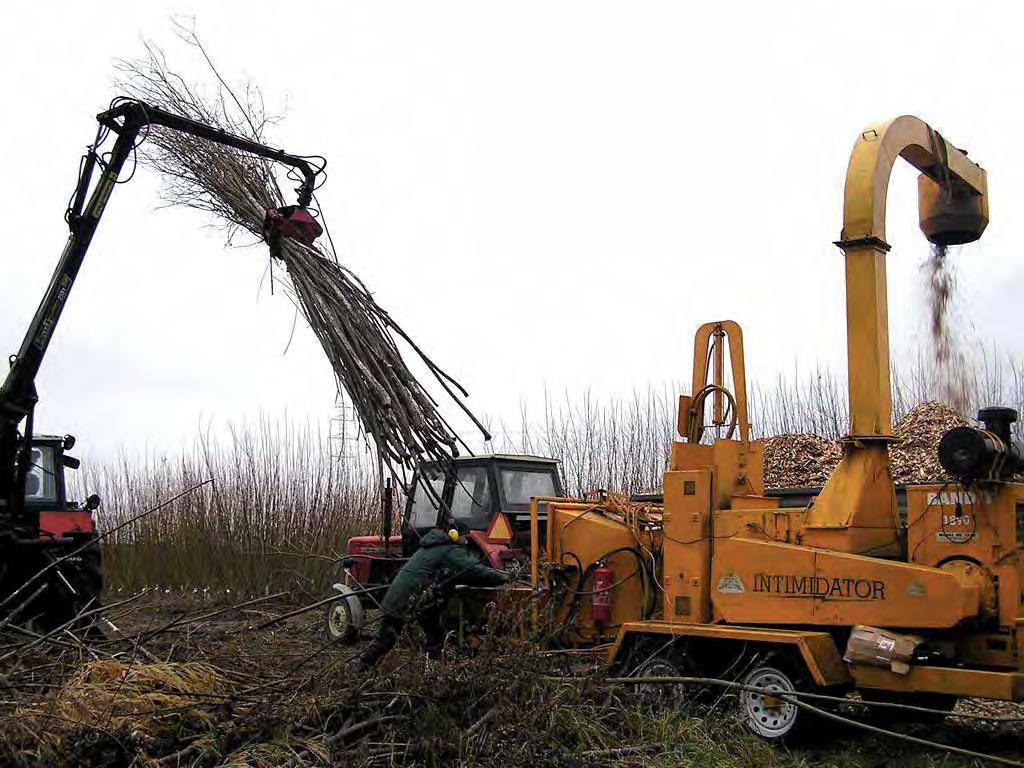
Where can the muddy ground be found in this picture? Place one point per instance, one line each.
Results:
(185, 685)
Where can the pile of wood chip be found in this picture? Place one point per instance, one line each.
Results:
(915, 456)
(797, 461)
(794, 461)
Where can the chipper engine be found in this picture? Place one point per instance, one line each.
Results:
(718, 580)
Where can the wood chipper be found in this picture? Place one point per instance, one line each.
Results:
(844, 594)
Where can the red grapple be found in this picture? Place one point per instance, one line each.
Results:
(292, 221)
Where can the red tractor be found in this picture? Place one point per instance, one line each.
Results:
(488, 496)
(74, 581)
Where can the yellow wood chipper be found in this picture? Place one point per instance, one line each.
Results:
(848, 592)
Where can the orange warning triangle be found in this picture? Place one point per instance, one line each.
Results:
(499, 531)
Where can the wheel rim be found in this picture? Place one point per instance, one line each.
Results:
(337, 619)
(766, 713)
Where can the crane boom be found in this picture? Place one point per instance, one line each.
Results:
(18, 397)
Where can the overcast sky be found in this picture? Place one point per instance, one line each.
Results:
(546, 194)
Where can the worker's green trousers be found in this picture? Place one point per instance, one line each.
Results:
(390, 630)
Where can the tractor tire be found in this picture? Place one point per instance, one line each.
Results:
(89, 584)
(84, 574)
(343, 617)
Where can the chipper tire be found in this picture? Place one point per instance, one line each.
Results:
(669, 695)
(768, 716)
(343, 618)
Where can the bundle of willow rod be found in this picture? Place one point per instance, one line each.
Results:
(359, 337)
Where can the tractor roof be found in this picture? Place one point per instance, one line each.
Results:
(522, 457)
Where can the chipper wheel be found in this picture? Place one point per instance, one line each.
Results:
(765, 711)
(673, 694)
(661, 659)
(343, 617)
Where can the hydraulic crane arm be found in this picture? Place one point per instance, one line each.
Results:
(127, 119)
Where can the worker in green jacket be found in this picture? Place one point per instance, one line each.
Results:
(443, 561)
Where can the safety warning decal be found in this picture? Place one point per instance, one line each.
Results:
(730, 584)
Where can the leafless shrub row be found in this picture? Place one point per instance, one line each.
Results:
(280, 507)
(624, 443)
(275, 516)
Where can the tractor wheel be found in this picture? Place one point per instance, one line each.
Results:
(89, 585)
(84, 574)
(343, 617)
(763, 711)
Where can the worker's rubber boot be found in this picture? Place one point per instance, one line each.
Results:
(433, 633)
(434, 650)
(386, 639)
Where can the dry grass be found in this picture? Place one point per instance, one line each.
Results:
(504, 705)
(113, 694)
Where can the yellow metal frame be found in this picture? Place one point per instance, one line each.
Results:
(955, 681)
(691, 418)
(817, 649)
(863, 243)
(535, 503)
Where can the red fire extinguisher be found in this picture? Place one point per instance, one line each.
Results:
(601, 599)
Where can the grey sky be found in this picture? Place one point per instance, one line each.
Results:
(544, 193)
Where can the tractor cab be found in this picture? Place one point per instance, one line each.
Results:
(53, 530)
(489, 499)
(46, 496)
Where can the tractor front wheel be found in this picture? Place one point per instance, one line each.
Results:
(343, 617)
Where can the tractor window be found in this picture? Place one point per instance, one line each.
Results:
(424, 506)
(518, 486)
(41, 482)
(471, 502)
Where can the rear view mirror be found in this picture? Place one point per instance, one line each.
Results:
(70, 462)
(93, 502)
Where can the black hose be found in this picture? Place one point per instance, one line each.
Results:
(641, 568)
